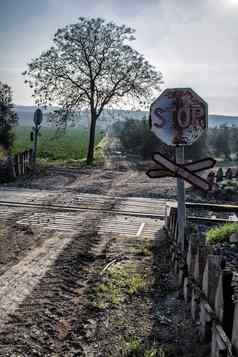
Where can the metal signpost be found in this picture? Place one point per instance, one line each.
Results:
(38, 117)
(179, 117)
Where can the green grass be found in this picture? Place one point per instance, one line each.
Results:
(221, 234)
(69, 146)
(232, 184)
(116, 285)
(135, 347)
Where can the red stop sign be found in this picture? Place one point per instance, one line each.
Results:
(178, 116)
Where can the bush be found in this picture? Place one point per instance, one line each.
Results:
(197, 150)
(7, 137)
(8, 118)
(136, 138)
(221, 234)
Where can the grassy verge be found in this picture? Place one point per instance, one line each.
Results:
(120, 287)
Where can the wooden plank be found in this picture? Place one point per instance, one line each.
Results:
(235, 320)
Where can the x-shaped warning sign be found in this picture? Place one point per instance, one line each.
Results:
(185, 171)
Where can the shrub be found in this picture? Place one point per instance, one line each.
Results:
(8, 118)
(221, 234)
(133, 346)
(136, 138)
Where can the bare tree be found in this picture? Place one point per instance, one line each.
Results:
(91, 65)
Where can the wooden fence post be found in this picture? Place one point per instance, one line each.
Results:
(190, 261)
(235, 319)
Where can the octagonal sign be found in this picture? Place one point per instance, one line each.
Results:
(178, 116)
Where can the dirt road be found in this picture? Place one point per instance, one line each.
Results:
(53, 250)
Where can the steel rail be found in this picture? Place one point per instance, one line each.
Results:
(78, 209)
(62, 208)
(211, 206)
(206, 220)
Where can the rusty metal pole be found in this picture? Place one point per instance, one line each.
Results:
(38, 117)
(181, 199)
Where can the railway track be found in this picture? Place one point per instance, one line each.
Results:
(131, 207)
(62, 208)
(42, 297)
(207, 212)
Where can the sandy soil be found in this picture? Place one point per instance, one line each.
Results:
(122, 182)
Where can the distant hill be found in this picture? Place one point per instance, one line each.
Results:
(217, 120)
(26, 114)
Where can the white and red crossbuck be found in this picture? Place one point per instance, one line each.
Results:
(187, 172)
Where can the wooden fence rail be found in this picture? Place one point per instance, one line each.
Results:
(209, 286)
(17, 165)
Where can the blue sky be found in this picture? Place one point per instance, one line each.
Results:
(194, 43)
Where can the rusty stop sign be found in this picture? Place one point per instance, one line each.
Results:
(178, 116)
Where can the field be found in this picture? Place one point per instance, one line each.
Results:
(71, 145)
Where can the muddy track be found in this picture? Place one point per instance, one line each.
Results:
(44, 302)
(49, 321)
(43, 295)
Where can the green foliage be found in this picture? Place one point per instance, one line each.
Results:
(197, 150)
(133, 134)
(134, 347)
(221, 234)
(136, 138)
(101, 148)
(7, 137)
(223, 141)
(229, 183)
(115, 286)
(8, 118)
(135, 284)
(147, 248)
(69, 146)
(131, 347)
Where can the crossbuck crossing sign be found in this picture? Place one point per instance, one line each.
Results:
(185, 171)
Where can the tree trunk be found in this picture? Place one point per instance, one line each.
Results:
(91, 138)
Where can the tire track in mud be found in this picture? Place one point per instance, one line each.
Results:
(45, 294)
(18, 282)
(48, 322)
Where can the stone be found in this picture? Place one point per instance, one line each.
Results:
(234, 238)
